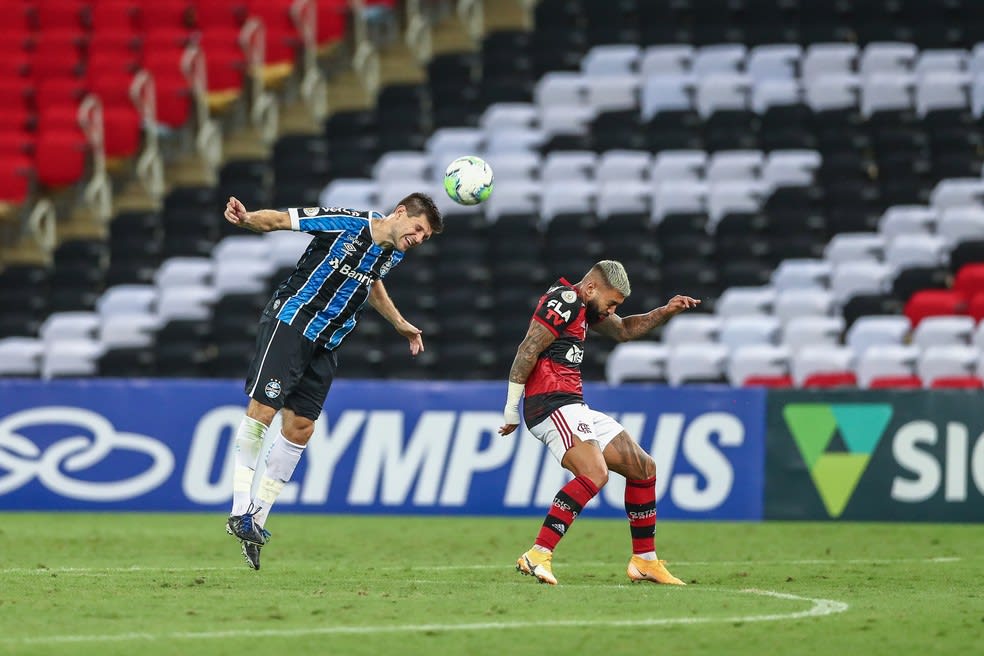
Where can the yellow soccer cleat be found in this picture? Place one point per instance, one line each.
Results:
(537, 563)
(641, 569)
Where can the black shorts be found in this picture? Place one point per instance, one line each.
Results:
(289, 370)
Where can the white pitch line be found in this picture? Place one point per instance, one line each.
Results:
(102, 571)
(819, 608)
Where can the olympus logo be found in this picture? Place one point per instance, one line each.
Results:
(94, 440)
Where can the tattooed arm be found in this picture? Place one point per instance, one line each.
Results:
(623, 329)
(537, 339)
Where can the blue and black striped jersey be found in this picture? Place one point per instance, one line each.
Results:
(323, 296)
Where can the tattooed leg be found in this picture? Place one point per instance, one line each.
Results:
(627, 458)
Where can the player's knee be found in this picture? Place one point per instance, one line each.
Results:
(297, 429)
(648, 467)
(598, 476)
(261, 413)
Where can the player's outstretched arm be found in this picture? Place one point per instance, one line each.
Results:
(257, 221)
(537, 339)
(623, 329)
(383, 304)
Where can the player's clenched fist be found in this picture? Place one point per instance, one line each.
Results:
(235, 211)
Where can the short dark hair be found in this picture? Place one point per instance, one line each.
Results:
(418, 203)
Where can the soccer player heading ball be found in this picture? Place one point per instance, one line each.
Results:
(302, 326)
(588, 443)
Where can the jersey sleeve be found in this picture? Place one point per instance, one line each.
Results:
(324, 219)
(557, 309)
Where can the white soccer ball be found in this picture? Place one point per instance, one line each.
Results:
(468, 180)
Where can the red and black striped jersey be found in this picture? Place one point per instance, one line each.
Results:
(556, 378)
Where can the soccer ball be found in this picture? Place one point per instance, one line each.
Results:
(468, 180)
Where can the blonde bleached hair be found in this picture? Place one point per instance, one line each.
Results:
(614, 276)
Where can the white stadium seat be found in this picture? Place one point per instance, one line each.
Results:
(757, 360)
(802, 274)
(69, 325)
(127, 299)
(744, 331)
(946, 361)
(691, 328)
(856, 278)
(943, 331)
(820, 359)
(877, 330)
(636, 361)
(20, 356)
(694, 363)
(744, 301)
(806, 331)
(71, 358)
(793, 303)
(853, 246)
(886, 360)
(907, 220)
(181, 271)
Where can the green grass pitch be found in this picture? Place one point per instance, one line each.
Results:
(150, 584)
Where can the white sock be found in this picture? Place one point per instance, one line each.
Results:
(249, 441)
(649, 555)
(280, 462)
(543, 549)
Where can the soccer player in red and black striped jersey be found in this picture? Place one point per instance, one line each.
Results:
(588, 443)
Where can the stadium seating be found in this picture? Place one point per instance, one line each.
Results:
(802, 185)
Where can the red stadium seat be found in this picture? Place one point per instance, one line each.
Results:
(111, 63)
(16, 30)
(16, 118)
(122, 131)
(52, 92)
(831, 380)
(332, 19)
(282, 39)
(15, 178)
(120, 116)
(768, 381)
(61, 157)
(62, 15)
(166, 15)
(212, 14)
(170, 38)
(57, 56)
(114, 16)
(16, 143)
(59, 117)
(957, 382)
(934, 302)
(895, 382)
(173, 100)
(975, 307)
(224, 60)
(970, 279)
(15, 64)
(18, 92)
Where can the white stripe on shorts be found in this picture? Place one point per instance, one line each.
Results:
(259, 369)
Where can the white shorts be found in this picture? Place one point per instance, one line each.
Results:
(557, 431)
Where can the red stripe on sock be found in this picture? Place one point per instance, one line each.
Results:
(640, 507)
(562, 514)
